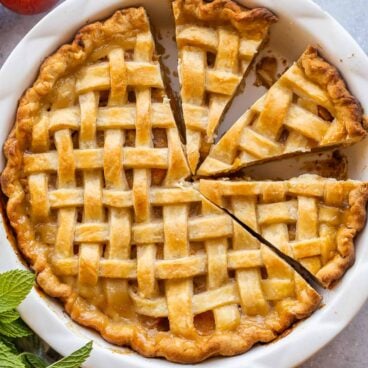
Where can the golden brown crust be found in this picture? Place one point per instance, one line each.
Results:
(126, 23)
(348, 108)
(146, 341)
(355, 221)
(225, 11)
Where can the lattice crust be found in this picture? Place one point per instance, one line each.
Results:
(308, 108)
(309, 218)
(217, 42)
(91, 173)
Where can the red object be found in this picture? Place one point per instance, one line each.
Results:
(29, 7)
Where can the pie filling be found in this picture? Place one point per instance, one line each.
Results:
(95, 179)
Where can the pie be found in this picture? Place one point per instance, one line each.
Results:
(309, 108)
(217, 42)
(92, 167)
(309, 218)
(103, 207)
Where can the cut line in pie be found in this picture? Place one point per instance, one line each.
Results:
(308, 109)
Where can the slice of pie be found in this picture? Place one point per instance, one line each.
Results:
(310, 218)
(216, 44)
(309, 108)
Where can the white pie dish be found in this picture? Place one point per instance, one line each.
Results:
(300, 23)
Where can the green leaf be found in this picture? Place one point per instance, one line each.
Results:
(10, 343)
(76, 359)
(32, 361)
(4, 349)
(9, 316)
(9, 359)
(14, 287)
(15, 329)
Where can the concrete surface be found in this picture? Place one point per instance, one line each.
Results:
(349, 349)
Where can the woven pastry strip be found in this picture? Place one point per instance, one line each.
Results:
(308, 108)
(309, 218)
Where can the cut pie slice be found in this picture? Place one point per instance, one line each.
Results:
(216, 43)
(309, 218)
(308, 108)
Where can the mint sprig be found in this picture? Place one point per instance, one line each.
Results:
(14, 287)
(9, 343)
(8, 359)
(15, 329)
(15, 334)
(9, 316)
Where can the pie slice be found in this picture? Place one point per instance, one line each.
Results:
(216, 43)
(309, 108)
(309, 218)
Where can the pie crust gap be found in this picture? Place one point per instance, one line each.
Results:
(308, 109)
(217, 42)
(309, 218)
(91, 167)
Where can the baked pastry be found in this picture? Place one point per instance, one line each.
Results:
(309, 218)
(94, 180)
(216, 44)
(309, 108)
(92, 166)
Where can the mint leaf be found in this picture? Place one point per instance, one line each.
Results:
(15, 329)
(9, 316)
(76, 359)
(9, 343)
(4, 349)
(14, 287)
(9, 359)
(32, 361)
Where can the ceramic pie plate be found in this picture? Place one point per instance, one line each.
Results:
(301, 23)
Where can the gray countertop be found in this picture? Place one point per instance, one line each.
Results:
(348, 349)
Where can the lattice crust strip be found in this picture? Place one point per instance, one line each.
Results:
(308, 108)
(309, 218)
(217, 42)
